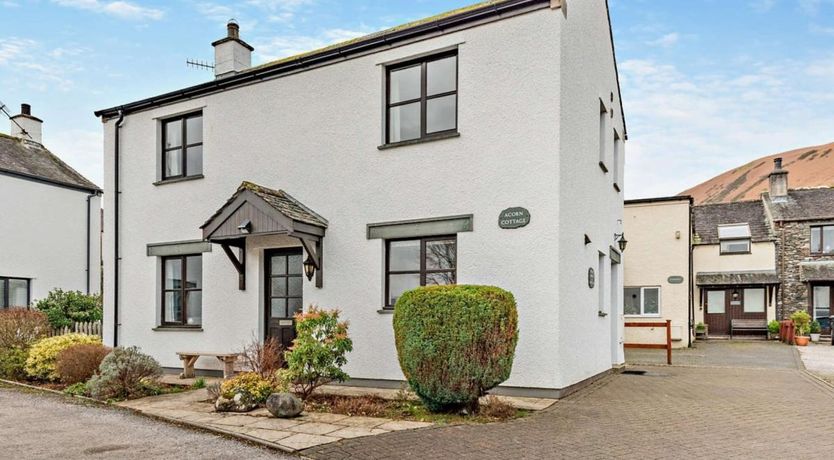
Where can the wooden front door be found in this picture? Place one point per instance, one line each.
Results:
(283, 293)
(715, 313)
(822, 305)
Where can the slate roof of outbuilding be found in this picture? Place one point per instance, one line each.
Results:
(22, 157)
(278, 199)
(707, 218)
(804, 204)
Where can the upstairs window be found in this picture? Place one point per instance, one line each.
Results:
(14, 292)
(419, 262)
(422, 99)
(182, 146)
(734, 239)
(822, 239)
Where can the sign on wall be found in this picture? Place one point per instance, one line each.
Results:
(592, 279)
(514, 218)
(675, 279)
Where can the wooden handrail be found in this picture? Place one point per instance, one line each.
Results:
(667, 345)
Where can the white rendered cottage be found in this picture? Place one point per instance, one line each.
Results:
(385, 163)
(51, 219)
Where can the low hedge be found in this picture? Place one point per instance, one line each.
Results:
(42, 356)
(455, 342)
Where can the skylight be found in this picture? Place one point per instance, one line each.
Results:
(733, 231)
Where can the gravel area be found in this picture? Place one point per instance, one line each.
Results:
(34, 425)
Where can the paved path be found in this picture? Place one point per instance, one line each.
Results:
(819, 360)
(42, 426)
(763, 408)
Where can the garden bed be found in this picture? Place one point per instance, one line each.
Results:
(405, 408)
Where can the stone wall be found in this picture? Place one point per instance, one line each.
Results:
(793, 247)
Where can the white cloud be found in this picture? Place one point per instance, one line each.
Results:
(288, 45)
(12, 48)
(666, 41)
(119, 9)
(762, 6)
(27, 63)
(685, 127)
(821, 30)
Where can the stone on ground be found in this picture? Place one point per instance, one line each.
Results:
(284, 405)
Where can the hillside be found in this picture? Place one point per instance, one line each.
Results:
(808, 167)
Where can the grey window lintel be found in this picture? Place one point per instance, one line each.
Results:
(433, 226)
(178, 248)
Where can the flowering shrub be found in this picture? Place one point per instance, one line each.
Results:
(125, 373)
(41, 361)
(63, 308)
(80, 362)
(253, 388)
(318, 351)
(20, 328)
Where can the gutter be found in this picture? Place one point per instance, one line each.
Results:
(372, 43)
(116, 255)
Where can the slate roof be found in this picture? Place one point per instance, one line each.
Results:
(22, 157)
(805, 204)
(736, 278)
(816, 271)
(278, 199)
(706, 219)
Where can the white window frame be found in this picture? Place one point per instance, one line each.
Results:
(643, 313)
(741, 238)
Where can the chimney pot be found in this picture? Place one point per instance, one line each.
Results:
(778, 182)
(777, 163)
(233, 29)
(25, 109)
(26, 126)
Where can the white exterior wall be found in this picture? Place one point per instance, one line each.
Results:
(587, 201)
(44, 236)
(708, 258)
(315, 135)
(658, 247)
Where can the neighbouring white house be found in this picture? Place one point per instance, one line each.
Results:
(480, 146)
(658, 270)
(51, 219)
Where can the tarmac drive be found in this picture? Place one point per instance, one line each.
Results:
(38, 426)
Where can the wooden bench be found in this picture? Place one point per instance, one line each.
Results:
(188, 359)
(757, 325)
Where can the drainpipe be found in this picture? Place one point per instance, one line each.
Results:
(116, 256)
(691, 281)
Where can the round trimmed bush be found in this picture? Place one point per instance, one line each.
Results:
(455, 342)
(80, 362)
(41, 361)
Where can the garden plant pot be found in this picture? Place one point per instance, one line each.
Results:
(801, 340)
(815, 337)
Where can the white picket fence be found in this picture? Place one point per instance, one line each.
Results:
(89, 328)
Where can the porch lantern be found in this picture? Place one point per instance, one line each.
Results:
(309, 268)
(735, 294)
(621, 241)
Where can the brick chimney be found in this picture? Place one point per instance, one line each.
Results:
(231, 54)
(778, 181)
(25, 126)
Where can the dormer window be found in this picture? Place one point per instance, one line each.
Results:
(734, 238)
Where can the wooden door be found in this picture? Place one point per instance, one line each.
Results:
(283, 293)
(715, 311)
(822, 305)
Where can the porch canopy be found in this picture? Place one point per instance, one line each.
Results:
(732, 278)
(256, 210)
(816, 271)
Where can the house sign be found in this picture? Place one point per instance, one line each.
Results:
(591, 278)
(675, 279)
(514, 218)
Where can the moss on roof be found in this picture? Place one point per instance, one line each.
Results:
(384, 32)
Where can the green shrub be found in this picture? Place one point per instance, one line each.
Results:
(77, 389)
(12, 363)
(253, 388)
(63, 308)
(80, 362)
(802, 322)
(42, 356)
(199, 383)
(455, 342)
(20, 328)
(773, 327)
(815, 328)
(125, 373)
(318, 351)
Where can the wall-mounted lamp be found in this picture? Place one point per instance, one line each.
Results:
(245, 227)
(621, 241)
(735, 294)
(309, 268)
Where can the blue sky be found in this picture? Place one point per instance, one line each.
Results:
(707, 84)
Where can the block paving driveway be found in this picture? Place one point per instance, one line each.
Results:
(723, 400)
